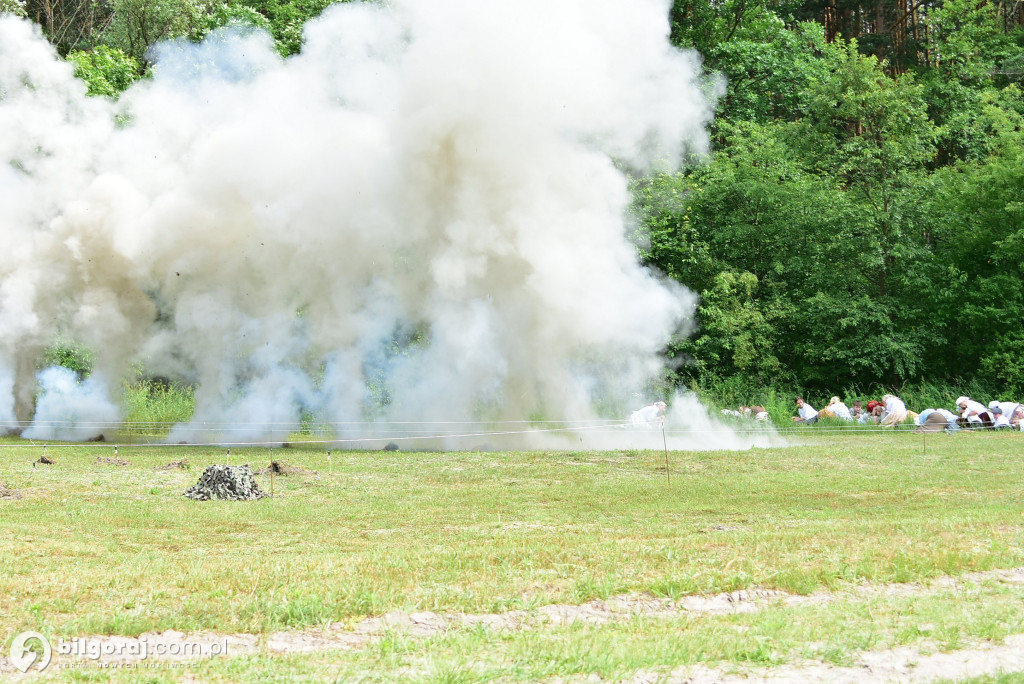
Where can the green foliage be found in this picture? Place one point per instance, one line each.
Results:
(969, 39)
(15, 7)
(234, 15)
(284, 20)
(107, 71)
(767, 73)
(1003, 363)
(867, 128)
(157, 402)
(738, 332)
(667, 236)
(70, 355)
(706, 24)
(978, 218)
(872, 262)
(136, 25)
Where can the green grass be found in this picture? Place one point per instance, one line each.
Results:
(831, 633)
(152, 408)
(100, 549)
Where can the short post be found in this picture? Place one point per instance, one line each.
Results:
(664, 439)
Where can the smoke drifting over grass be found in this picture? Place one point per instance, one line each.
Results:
(71, 410)
(421, 217)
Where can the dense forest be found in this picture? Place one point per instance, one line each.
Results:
(860, 220)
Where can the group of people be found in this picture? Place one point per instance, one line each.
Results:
(891, 411)
(974, 414)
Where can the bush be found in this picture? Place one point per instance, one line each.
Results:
(1004, 365)
(155, 401)
(15, 7)
(106, 70)
(70, 355)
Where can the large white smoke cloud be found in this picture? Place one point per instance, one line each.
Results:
(427, 206)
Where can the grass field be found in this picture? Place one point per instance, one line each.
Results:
(97, 549)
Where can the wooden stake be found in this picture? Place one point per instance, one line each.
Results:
(664, 439)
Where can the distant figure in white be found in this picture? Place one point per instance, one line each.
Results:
(757, 412)
(839, 409)
(895, 411)
(973, 414)
(807, 412)
(651, 416)
(1007, 414)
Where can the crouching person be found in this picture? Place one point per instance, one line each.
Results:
(839, 409)
(932, 419)
(894, 411)
(1004, 413)
(973, 414)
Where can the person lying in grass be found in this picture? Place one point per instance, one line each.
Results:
(807, 414)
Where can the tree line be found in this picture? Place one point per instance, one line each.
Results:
(861, 219)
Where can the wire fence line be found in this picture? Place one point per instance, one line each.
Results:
(154, 434)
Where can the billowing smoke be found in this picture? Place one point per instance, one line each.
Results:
(419, 218)
(71, 410)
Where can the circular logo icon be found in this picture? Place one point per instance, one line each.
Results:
(30, 648)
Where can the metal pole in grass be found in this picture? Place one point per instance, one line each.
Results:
(664, 439)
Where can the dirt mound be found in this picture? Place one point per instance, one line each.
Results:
(174, 465)
(46, 460)
(111, 461)
(282, 468)
(231, 483)
(6, 493)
